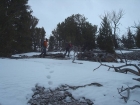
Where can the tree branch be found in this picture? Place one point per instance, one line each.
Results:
(124, 97)
(137, 101)
(124, 70)
(137, 79)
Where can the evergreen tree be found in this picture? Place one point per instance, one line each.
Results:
(89, 33)
(124, 41)
(38, 36)
(138, 38)
(130, 39)
(34, 32)
(15, 26)
(51, 43)
(77, 30)
(104, 39)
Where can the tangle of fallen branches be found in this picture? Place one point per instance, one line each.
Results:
(124, 70)
(58, 96)
(131, 88)
(120, 90)
(120, 69)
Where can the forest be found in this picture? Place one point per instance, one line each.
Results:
(19, 32)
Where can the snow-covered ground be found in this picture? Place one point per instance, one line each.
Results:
(19, 76)
(126, 51)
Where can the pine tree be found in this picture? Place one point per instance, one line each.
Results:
(138, 38)
(130, 39)
(51, 43)
(77, 30)
(124, 41)
(15, 28)
(104, 39)
(15, 32)
(38, 35)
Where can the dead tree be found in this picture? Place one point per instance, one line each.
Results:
(137, 26)
(115, 18)
(124, 69)
(121, 69)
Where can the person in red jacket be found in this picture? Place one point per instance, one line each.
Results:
(44, 46)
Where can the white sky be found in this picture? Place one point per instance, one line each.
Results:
(19, 76)
(51, 12)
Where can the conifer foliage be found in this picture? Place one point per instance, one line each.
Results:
(76, 29)
(138, 37)
(104, 39)
(17, 26)
(128, 40)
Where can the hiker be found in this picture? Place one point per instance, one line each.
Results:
(44, 45)
(67, 49)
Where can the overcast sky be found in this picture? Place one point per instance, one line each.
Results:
(51, 12)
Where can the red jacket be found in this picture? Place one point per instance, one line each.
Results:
(45, 43)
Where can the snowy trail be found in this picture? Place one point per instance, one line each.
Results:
(18, 77)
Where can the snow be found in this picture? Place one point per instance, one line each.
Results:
(19, 76)
(126, 51)
(119, 52)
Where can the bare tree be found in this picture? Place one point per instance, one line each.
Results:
(115, 18)
(137, 26)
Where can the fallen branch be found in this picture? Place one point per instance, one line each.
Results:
(137, 79)
(137, 101)
(126, 98)
(67, 87)
(131, 88)
(97, 67)
(124, 70)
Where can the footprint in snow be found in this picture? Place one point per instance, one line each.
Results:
(48, 76)
(50, 83)
(47, 68)
(51, 71)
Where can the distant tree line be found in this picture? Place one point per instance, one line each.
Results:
(81, 33)
(76, 29)
(18, 31)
